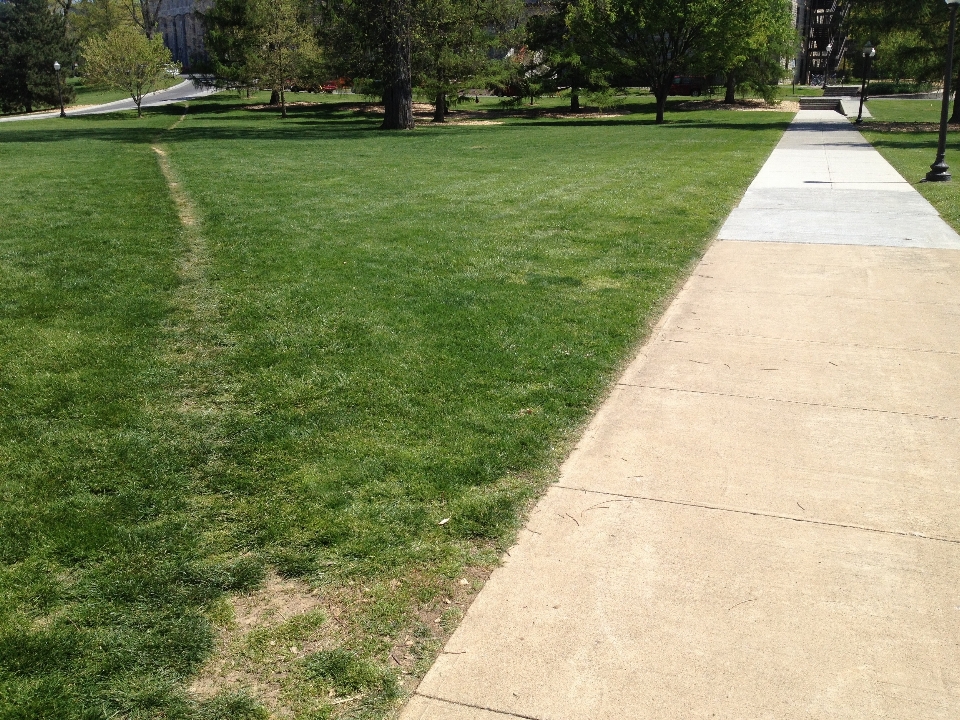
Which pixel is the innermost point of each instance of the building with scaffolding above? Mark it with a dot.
(823, 44)
(181, 24)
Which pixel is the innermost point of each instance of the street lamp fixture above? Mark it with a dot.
(869, 51)
(940, 171)
(826, 66)
(56, 66)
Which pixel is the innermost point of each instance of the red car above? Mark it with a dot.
(694, 86)
(330, 87)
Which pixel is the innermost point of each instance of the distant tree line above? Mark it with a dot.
(442, 49)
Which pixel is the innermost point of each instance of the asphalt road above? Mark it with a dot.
(181, 92)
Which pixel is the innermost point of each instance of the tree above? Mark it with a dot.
(573, 36)
(230, 35)
(749, 45)
(915, 31)
(283, 49)
(146, 15)
(454, 41)
(398, 71)
(659, 39)
(32, 37)
(87, 18)
(128, 60)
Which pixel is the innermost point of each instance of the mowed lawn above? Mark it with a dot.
(906, 134)
(256, 465)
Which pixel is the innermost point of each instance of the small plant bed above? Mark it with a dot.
(742, 104)
(276, 394)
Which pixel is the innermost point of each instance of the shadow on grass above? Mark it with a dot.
(328, 121)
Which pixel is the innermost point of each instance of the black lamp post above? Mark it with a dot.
(56, 66)
(868, 53)
(940, 171)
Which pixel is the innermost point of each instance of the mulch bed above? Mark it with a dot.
(906, 127)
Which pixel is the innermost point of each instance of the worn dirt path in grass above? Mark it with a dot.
(763, 520)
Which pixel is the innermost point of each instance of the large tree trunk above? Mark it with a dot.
(440, 108)
(274, 97)
(661, 94)
(575, 99)
(283, 103)
(398, 85)
(731, 96)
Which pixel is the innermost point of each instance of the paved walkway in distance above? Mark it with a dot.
(181, 92)
(763, 520)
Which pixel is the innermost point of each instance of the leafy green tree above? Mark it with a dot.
(87, 18)
(126, 59)
(229, 37)
(573, 36)
(372, 42)
(749, 45)
(660, 39)
(283, 50)
(453, 44)
(32, 37)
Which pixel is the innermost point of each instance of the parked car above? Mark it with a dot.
(329, 87)
(690, 85)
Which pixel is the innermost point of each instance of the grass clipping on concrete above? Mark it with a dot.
(262, 439)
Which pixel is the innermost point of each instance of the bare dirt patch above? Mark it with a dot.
(262, 635)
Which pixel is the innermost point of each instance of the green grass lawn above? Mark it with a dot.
(906, 134)
(260, 462)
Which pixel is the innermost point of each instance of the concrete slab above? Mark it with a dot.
(612, 608)
(866, 273)
(883, 380)
(822, 152)
(874, 470)
(835, 320)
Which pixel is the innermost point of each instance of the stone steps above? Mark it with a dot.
(821, 103)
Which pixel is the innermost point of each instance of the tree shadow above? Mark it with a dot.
(326, 121)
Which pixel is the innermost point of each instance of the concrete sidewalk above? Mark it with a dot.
(763, 520)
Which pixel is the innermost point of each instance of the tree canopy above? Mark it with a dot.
(33, 35)
(127, 59)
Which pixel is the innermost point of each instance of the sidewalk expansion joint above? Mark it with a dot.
(478, 707)
(791, 402)
(757, 513)
(814, 342)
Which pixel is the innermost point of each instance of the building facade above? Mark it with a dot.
(181, 24)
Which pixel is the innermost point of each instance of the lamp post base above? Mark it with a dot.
(939, 172)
